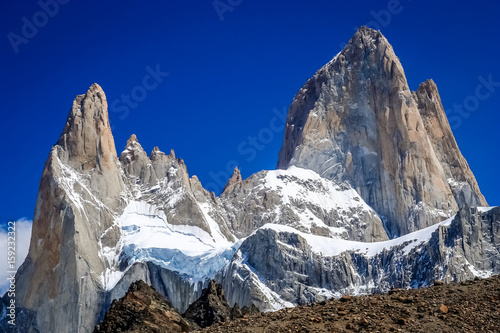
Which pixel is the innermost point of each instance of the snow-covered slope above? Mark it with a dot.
(302, 246)
(333, 247)
(148, 236)
(199, 250)
(298, 268)
(301, 199)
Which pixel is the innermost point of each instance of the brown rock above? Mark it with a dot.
(235, 179)
(363, 322)
(478, 313)
(210, 308)
(142, 309)
(443, 308)
(402, 321)
(394, 290)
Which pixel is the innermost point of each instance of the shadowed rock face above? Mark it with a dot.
(210, 308)
(142, 309)
(357, 120)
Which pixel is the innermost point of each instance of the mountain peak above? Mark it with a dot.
(371, 52)
(133, 151)
(365, 40)
(369, 160)
(235, 179)
(156, 153)
(357, 120)
(95, 89)
(133, 138)
(364, 31)
(87, 139)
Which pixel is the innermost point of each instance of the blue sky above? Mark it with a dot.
(233, 68)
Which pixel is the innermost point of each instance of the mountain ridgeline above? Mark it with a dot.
(371, 192)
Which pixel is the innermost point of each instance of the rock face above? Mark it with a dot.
(163, 180)
(175, 287)
(210, 308)
(357, 120)
(358, 146)
(74, 219)
(301, 199)
(142, 309)
(300, 268)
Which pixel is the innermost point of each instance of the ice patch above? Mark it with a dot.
(485, 209)
(333, 247)
(148, 236)
(479, 273)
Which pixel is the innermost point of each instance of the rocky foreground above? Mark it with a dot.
(472, 306)
(144, 310)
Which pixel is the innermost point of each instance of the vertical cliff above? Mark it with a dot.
(357, 120)
(78, 198)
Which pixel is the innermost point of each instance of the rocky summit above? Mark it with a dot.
(371, 192)
(357, 120)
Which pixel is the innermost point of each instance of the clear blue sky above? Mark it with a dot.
(225, 76)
